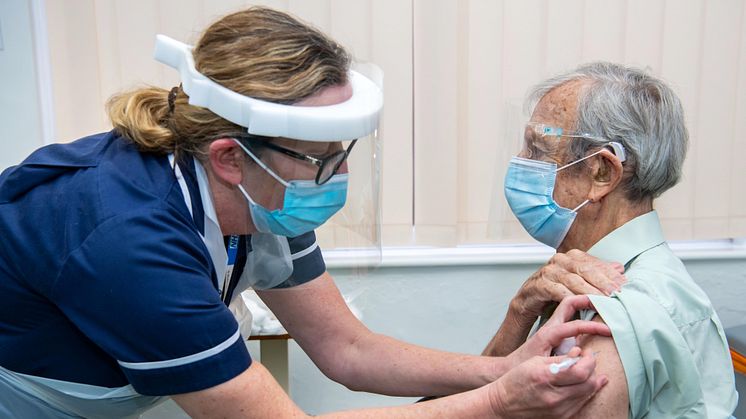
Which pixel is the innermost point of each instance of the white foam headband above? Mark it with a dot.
(354, 118)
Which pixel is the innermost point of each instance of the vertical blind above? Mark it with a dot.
(456, 73)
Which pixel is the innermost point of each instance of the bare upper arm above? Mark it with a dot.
(612, 401)
(319, 320)
(251, 394)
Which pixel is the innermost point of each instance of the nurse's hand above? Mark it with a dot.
(566, 274)
(557, 328)
(531, 390)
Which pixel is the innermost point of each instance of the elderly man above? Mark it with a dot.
(603, 142)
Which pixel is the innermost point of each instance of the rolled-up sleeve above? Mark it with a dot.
(662, 375)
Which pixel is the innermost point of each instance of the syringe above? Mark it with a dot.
(566, 363)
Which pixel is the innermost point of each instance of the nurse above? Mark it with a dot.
(123, 254)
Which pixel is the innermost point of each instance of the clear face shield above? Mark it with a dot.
(348, 128)
(354, 233)
(531, 141)
(540, 140)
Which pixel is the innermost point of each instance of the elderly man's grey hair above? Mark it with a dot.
(631, 107)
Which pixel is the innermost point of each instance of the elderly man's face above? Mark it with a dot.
(558, 109)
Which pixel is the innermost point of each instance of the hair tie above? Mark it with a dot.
(172, 99)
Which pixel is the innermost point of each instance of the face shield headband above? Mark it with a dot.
(354, 118)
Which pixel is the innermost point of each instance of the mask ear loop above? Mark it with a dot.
(618, 151)
(570, 164)
(616, 148)
(246, 194)
(578, 161)
(262, 165)
(581, 205)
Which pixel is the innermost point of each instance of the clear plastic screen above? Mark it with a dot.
(502, 224)
(352, 237)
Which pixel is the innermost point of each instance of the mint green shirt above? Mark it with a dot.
(670, 340)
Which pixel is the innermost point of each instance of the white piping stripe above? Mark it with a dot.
(305, 251)
(182, 183)
(177, 362)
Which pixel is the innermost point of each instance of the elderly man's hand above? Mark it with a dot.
(566, 274)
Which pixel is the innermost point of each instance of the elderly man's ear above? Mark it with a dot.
(606, 175)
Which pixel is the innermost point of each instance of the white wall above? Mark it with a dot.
(455, 309)
(20, 121)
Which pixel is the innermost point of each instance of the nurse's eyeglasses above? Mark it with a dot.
(328, 166)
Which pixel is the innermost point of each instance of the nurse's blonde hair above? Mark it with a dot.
(258, 52)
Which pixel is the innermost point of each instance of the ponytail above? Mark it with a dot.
(257, 52)
(141, 116)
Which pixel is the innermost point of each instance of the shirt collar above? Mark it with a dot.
(200, 198)
(210, 234)
(204, 191)
(185, 173)
(630, 240)
(212, 237)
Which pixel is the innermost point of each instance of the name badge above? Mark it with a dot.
(232, 254)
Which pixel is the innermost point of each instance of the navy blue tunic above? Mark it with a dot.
(104, 277)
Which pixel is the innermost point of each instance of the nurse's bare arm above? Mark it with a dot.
(612, 401)
(317, 317)
(254, 394)
(527, 391)
(345, 350)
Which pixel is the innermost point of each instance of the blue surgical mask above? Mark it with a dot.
(305, 207)
(529, 188)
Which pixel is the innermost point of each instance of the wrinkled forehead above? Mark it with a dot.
(557, 109)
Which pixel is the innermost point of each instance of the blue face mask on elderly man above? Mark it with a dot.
(529, 190)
